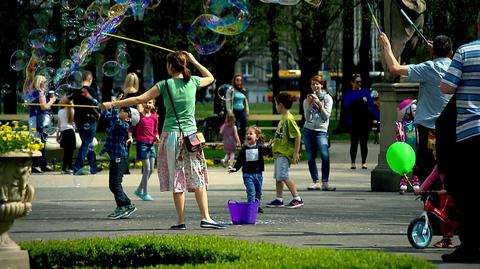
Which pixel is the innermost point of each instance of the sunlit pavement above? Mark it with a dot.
(352, 217)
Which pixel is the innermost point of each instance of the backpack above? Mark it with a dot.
(406, 132)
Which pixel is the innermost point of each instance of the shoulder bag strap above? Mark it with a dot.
(173, 107)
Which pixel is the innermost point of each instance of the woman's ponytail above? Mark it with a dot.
(179, 63)
(186, 74)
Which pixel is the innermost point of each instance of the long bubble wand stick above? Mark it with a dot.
(414, 26)
(138, 41)
(70, 105)
(374, 18)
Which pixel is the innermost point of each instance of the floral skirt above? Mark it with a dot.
(178, 169)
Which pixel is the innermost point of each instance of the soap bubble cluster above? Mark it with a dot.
(223, 17)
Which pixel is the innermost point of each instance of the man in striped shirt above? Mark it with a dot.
(463, 79)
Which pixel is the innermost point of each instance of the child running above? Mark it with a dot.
(230, 140)
(406, 132)
(116, 147)
(146, 133)
(286, 150)
(250, 159)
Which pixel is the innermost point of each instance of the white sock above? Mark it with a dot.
(279, 199)
(297, 198)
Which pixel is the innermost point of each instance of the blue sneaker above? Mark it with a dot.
(128, 210)
(81, 172)
(275, 203)
(95, 170)
(147, 197)
(178, 227)
(138, 193)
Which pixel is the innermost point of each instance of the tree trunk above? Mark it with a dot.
(135, 50)
(8, 44)
(347, 61)
(275, 54)
(365, 47)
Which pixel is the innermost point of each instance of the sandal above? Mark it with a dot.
(353, 166)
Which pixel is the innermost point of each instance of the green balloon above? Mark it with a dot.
(401, 157)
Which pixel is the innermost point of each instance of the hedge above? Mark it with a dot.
(201, 252)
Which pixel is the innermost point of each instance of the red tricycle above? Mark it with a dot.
(436, 212)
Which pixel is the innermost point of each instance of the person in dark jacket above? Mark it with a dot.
(361, 113)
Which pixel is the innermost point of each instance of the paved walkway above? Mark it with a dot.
(353, 217)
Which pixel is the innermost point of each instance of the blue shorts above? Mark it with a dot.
(145, 151)
(281, 168)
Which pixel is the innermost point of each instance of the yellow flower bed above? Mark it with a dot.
(15, 137)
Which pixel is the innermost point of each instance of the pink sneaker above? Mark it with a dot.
(403, 185)
(416, 183)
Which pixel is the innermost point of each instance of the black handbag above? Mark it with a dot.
(193, 142)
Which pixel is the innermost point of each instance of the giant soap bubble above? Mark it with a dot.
(111, 68)
(230, 17)
(203, 39)
(19, 60)
(36, 38)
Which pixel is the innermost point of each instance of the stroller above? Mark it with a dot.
(424, 227)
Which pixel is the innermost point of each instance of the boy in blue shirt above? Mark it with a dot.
(119, 121)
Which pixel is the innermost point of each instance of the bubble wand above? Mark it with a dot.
(138, 41)
(374, 18)
(70, 105)
(414, 26)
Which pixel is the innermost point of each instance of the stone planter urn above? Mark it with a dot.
(16, 197)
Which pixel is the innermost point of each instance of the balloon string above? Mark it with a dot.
(411, 185)
(138, 41)
(69, 105)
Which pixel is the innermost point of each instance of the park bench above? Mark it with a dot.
(257, 118)
(253, 119)
(13, 117)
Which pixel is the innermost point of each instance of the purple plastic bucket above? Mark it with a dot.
(243, 212)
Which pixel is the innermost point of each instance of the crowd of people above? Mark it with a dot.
(182, 166)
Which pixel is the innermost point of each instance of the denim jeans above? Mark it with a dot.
(253, 183)
(115, 178)
(87, 133)
(317, 141)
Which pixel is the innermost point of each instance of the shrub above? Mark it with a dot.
(202, 252)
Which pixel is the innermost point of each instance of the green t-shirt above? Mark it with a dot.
(183, 96)
(284, 141)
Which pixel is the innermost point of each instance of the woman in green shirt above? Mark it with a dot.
(179, 170)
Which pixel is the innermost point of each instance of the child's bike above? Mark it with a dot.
(421, 229)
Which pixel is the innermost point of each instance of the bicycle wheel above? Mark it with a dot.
(415, 233)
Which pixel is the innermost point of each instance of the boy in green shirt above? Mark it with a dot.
(286, 150)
